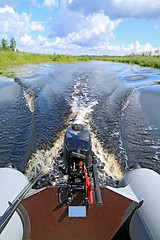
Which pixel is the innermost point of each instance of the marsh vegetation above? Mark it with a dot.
(142, 60)
(10, 59)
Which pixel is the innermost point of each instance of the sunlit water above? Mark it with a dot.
(119, 103)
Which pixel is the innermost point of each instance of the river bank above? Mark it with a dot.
(144, 61)
(10, 59)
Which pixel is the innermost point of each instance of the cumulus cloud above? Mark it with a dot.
(118, 8)
(38, 45)
(136, 48)
(12, 23)
(94, 29)
(27, 40)
(6, 9)
(15, 25)
(41, 39)
(41, 45)
(109, 49)
(78, 27)
(143, 48)
(37, 26)
(82, 30)
(88, 26)
(64, 46)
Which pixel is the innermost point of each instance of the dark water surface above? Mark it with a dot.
(118, 102)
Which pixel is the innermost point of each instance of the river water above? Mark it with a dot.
(118, 102)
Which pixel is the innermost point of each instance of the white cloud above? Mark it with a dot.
(83, 30)
(143, 48)
(94, 29)
(136, 48)
(27, 40)
(13, 24)
(50, 3)
(41, 39)
(17, 25)
(87, 27)
(118, 8)
(79, 27)
(6, 9)
(39, 45)
(37, 26)
(63, 46)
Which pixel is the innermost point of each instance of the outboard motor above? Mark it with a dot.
(77, 154)
(77, 149)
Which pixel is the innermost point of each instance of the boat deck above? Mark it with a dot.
(49, 221)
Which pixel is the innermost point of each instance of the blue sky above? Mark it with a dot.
(114, 27)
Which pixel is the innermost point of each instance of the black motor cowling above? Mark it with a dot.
(77, 154)
(77, 148)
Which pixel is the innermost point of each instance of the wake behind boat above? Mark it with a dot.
(80, 208)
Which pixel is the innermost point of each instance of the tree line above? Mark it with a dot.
(8, 47)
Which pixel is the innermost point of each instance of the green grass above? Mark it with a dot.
(10, 59)
(144, 61)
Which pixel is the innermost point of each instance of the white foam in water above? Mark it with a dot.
(111, 166)
(82, 110)
(81, 113)
(49, 161)
(29, 100)
(81, 104)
